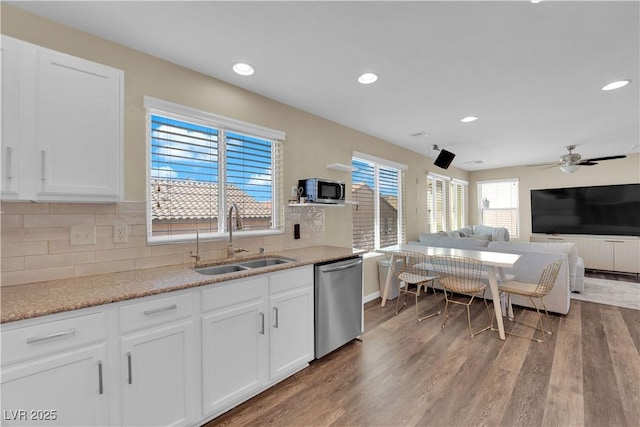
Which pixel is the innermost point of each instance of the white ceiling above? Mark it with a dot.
(532, 73)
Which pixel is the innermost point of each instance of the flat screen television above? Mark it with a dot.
(603, 210)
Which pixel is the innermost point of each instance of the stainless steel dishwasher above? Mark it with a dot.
(338, 303)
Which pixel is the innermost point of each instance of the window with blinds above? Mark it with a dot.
(378, 190)
(199, 166)
(447, 201)
(499, 204)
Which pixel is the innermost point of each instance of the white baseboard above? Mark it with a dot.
(370, 297)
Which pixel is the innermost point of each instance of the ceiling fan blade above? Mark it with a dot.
(550, 166)
(586, 163)
(544, 164)
(599, 159)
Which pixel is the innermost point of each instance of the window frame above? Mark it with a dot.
(166, 109)
(448, 213)
(512, 233)
(378, 163)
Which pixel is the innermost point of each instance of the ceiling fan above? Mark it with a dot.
(569, 163)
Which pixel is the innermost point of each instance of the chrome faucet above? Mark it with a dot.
(197, 254)
(230, 250)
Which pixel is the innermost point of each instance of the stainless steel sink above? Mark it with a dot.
(264, 262)
(239, 265)
(221, 269)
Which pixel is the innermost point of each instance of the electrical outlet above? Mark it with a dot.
(82, 235)
(120, 233)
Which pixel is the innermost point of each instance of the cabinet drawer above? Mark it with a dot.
(156, 311)
(235, 292)
(50, 337)
(291, 279)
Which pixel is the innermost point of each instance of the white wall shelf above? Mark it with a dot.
(340, 167)
(322, 205)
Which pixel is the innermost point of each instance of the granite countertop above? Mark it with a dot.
(30, 300)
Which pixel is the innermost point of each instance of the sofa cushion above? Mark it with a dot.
(486, 237)
(465, 231)
(429, 237)
(452, 242)
(568, 248)
(498, 234)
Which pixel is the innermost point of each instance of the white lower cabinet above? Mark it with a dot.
(179, 358)
(235, 343)
(292, 327)
(55, 373)
(158, 387)
(255, 332)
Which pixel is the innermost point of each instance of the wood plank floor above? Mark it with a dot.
(409, 373)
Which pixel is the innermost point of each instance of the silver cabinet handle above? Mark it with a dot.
(43, 158)
(9, 163)
(342, 267)
(51, 336)
(130, 380)
(275, 317)
(100, 389)
(160, 310)
(262, 323)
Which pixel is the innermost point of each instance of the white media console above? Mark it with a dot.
(611, 253)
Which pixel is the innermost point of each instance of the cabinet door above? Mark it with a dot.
(67, 389)
(235, 351)
(292, 344)
(11, 92)
(78, 128)
(596, 253)
(157, 370)
(627, 256)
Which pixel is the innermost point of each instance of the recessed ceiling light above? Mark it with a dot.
(616, 85)
(367, 78)
(243, 69)
(469, 119)
(535, 1)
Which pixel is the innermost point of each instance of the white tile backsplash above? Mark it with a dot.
(35, 240)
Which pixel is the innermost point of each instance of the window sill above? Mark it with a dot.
(208, 237)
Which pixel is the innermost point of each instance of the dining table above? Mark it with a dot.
(494, 263)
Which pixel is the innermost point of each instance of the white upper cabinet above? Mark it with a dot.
(62, 121)
(11, 91)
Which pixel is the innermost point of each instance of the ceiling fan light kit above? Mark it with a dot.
(569, 168)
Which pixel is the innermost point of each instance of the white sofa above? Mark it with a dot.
(535, 256)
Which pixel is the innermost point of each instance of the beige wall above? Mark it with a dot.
(623, 171)
(311, 144)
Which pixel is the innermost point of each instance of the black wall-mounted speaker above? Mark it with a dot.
(444, 159)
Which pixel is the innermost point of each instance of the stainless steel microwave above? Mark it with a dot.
(317, 190)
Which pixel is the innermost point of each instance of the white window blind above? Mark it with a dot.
(499, 204)
(378, 190)
(459, 200)
(198, 168)
(447, 201)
